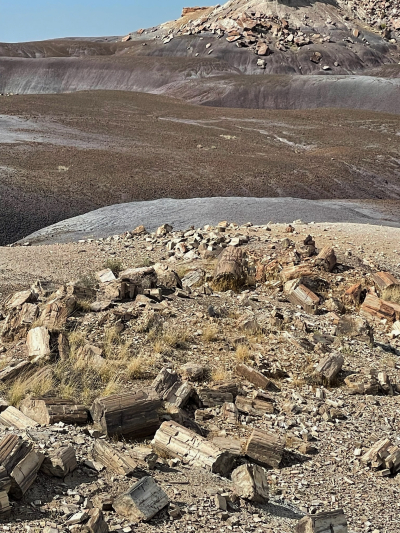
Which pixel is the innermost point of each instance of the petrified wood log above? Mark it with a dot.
(265, 448)
(250, 482)
(326, 522)
(47, 411)
(132, 414)
(326, 258)
(142, 501)
(24, 474)
(13, 417)
(229, 272)
(60, 462)
(295, 272)
(115, 461)
(174, 440)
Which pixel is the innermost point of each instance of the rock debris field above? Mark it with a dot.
(224, 378)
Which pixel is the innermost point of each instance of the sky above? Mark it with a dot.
(36, 20)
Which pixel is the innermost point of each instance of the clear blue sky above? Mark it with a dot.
(34, 20)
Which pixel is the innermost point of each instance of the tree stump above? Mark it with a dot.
(230, 273)
(265, 448)
(326, 258)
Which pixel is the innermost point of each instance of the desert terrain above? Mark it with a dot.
(200, 274)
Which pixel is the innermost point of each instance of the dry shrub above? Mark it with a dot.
(115, 265)
(242, 353)
(210, 334)
(219, 373)
(176, 337)
(112, 341)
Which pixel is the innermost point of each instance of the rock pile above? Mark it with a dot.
(281, 390)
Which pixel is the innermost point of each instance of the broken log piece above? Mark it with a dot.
(12, 450)
(227, 386)
(115, 461)
(352, 295)
(24, 474)
(378, 452)
(265, 448)
(18, 322)
(383, 280)
(378, 308)
(14, 369)
(326, 258)
(193, 371)
(228, 444)
(144, 278)
(55, 314)
(176, 441)
(250, 482)
(18, 299)
(394, 306)
(105, 275)
(80, 292)
(38, 343)
(144, 455)
(230, 412)
(254, 406)
(182, 418)
(366, 383)
(330, 366)
(12, 417)
(48, 411)
(255, 377)
(117, 290)
(5, 480)
(96, 523)
(142, 501)
(5, 507)
(164, 381)
(230, 273)
(325, 522)
(299, 294)
(60, 462)
(213, 398)
(179, 394)
(295, 272)
(134, 413)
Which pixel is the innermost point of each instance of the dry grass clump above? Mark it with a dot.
(242, 353)
(112, 342)
(210, 334)
(83, 306)
(36, 385)
(177, 337)
(392, 294)
(219, 373)
(76, 339)
(115, 265)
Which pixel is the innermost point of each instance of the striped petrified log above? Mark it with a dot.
(330, 366)
(295, 272)
(299, 294)
(38, 343)
(325, 522)
(213, 397)
(230, 273)
(115, 461)
(142, 501)
(230, 412)
(5, 506)
(133, 414)
(12, 450)
(254, 376)
(254, 406)
(60, 462)
(164, 381)
(265, 448)
(352, 295)
(145, 456)
(326, 258)
(52, 410)
(15, 368)
(179, 442)
(24, 474)
(12, 417)
(250, 482)
(56, 312)
(378, 308)
(383, 280)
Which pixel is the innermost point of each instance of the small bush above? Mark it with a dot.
(242, 353)
(88, 280)
(392, 294)
(115, 265)
(210, 334)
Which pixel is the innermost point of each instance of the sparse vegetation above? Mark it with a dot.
(115, 265)
(210, 334)
(242, 353)
(392, 294)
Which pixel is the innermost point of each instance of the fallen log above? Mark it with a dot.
(18, 322)
(145, 456)
(60, 462)
(254, 406)
(213, 397)
(295, 272)
(96, 523)
(24, 474)
(5, 507)
(230, 412)
(164, 381)
(179, 442)
(255, 377)
(47, 411)
(378, 308)
(352, 295)
(265, 448)
(12, 417)
(14, 369)
(326, 258)
(229, 273)
(134, 414)
(142, 501)
(250, 482)
(383, 280)
(330, 366)
(326, 522)
(299, 294)
(115, 461)
(12, 450)
(38, 343)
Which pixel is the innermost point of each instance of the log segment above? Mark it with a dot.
(142, 501)
(47, 411)
(265, 448)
